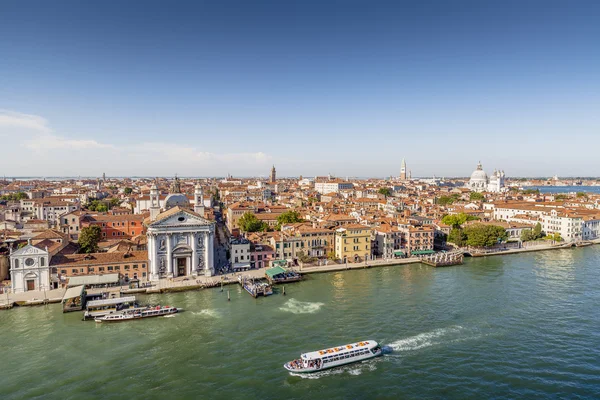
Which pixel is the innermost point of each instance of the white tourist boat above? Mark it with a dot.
(334, 357)
(138, 313)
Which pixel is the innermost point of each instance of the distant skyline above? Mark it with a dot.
(348, 88)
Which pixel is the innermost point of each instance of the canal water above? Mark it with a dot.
(518, 326)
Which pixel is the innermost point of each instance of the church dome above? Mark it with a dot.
(479, 174)
(176, 199)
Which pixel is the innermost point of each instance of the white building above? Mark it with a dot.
(331, 185)
(568, 226)
(480, 182)
(30, 269)
(180, 241)
(240, 254)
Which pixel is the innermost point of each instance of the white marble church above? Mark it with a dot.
(30, 269)
(180, 241)
(480, 182)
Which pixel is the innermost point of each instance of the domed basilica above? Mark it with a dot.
(480, 182)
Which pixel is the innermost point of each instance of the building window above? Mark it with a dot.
(127, 267)
(110, 268)
(42, 262)
(101, 269)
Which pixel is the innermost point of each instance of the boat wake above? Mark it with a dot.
(207, 313)
(301, 307)
(169, 316)
(452, 334)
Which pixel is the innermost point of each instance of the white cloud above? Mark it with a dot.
(12, 119)
(60, 155)
(52, 142)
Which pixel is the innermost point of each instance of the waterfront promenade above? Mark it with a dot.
(197, 283)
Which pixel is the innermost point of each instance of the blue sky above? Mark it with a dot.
(343, 87)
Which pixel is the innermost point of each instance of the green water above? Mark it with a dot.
(519, 326)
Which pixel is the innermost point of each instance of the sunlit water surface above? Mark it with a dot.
(519, 326)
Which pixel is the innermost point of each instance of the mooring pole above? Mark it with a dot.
(228, 296)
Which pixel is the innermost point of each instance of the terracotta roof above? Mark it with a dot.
(69, 260)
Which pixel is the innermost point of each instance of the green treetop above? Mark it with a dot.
(89, 238)
(456, 220)
(386, 191)
(289, 217)
(249, 223)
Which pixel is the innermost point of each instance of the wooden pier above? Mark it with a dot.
(444, 259)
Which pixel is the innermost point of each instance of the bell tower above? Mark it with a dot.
(154, 202)
(199, 200)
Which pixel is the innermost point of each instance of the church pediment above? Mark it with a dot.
(181, 218)
(28, 250)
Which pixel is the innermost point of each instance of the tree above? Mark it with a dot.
(89, 238)
(479, 235)
(532, 234)
(457, 237)
(581, 194)
(386, 191)
(114, 202)
(331, 256)
(14, 196)
(456, 220)
(537, 231)
(561, 197)
(527, 235)
(289, 217)
(476, 196)
(101, 207)
(531, 191)
(128, 191)
(249, 223)
(447, 200)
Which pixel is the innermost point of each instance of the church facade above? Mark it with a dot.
(30, 269)
(180, 240)
(479, 181)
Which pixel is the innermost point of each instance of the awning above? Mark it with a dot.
(73, 292)
(237, 266)
(279, 263)
(271, 272)
(93, 279)
(421, 252)
(111, 302)
(399, 253)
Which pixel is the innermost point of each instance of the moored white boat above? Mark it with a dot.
(139, 313)
(334, 357)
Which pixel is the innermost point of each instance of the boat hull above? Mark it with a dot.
(333, 365)
(136, 317)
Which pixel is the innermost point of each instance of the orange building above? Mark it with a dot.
(131, 264)
(123, 226)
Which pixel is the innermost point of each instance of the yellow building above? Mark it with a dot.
(353, 243)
